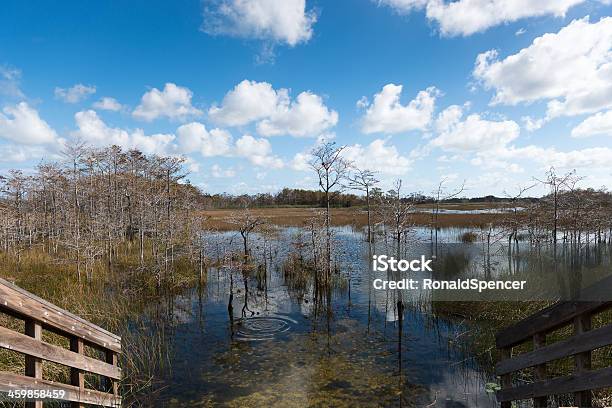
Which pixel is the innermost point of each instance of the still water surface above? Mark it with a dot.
(274, 350)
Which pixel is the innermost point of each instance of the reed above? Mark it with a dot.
(118, 298)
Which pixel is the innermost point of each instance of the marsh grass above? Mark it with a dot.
(298, 272)
(117, 298)
(468, 237)
(494, 316)
(300, 217)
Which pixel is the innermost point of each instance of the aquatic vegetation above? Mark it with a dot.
(468, 237)
(341, 370)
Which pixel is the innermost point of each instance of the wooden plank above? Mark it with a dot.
(506, 380)
(590, 340)
(546, 320)
(12, 382)
(25, 304)
(113, 359)
(539, 371)
(33, 365)
(51, 305)
(594, 298)
(582, 361)
(40, 350)
(77, 377)
(590, 380)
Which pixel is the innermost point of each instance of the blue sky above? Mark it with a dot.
(492, 92)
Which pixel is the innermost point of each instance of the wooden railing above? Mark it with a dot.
(39, 315)
(535, 328)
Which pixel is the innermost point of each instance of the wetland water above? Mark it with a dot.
(272, 348)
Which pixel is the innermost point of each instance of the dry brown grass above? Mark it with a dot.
(120, 310)
(291, 216)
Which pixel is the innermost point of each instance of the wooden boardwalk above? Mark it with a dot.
(39, 315)
(579, 346)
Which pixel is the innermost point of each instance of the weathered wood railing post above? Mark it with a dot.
(77, 377)
(582, 361)
(506, 379)
(112, 386)
(539, 371)
(33, 365)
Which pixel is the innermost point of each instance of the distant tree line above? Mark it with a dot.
(295, 197)
(287, 197)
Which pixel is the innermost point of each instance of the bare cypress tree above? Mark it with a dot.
(246, 222)
(74, 152)
(93, 204)
(557, 184)
(396, 214)
(513, 219)
(440, 195)
(331, 169)
(364, 180)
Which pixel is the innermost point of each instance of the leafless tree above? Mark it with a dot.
(395, 210)
(557, 184)
(245, 222)
(364, 180)
(440, 195)
(331, 169)
(95, 204)
(552, 206)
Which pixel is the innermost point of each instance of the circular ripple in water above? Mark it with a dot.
(262, 327)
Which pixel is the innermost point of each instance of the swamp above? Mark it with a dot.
(249, 307)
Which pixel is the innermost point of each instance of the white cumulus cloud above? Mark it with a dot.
(93, 130)
(306, 116)
(285, 21)
(74, 94)
(274, 111)
(386, 114)
(107, 103)
(13, 153)
(301, 161)
(598, 124)
(173, 102)
(532, 124)
(22, 124)
(466, 17)
(587, 159)
(247, 102)
(158, 143)
(378, 156)
(257, 151)
(194, 137)
(571, 69)
(490, 145)
(474, 134)
(219, 172)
